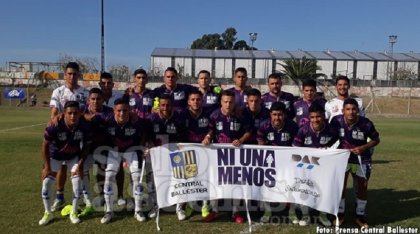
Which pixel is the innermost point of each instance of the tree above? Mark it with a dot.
(87, 64)
(229, 38)
(299, 69)
(226, 41)
(241, 45)
(208, 41)
(120, 72)
(404, 73)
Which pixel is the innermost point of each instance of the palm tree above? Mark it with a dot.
(300, 69)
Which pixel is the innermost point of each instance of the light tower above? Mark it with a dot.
(252, 38)
(392, 41)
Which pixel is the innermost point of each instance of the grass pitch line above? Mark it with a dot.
(17, 128)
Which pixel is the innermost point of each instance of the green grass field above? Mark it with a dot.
(394, 195)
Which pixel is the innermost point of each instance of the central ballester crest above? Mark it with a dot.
(184, 164)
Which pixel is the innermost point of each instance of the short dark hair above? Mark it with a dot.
(203, 71)
(96, 90)
(172, 69)
(124, 100)
(277, 75)
(195, 91)
(316, 107)
(253, 92)
(165, 96)
(351, 101)
(73, 65)
(341, 77)
(278, 106)
(241, 69)
(71, 104)
(140, 71)
(228, 93)
(309, 82)
(106, 75)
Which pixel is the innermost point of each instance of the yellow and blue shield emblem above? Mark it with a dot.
(184, 164)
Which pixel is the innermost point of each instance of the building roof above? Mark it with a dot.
(286, 54)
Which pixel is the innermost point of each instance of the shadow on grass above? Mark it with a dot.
(384, 161)
(390, 205)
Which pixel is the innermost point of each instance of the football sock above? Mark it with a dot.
(342, 206)
(87, 192)
(75, 181)
(361, 206)
(46, 192)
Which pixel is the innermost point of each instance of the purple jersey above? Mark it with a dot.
(211, 99)
(65, 143)
(240, 97)
(127, 136)
(99, 131)
(307, 137)
(228, 128)
(277, 137)
(355, 135)
(179, 95)
(302, 110)
(168, 130)
(142, 103)
(255, 120)
(285, 97)
(196, 127)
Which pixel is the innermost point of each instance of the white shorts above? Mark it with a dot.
(361, 171)
(72, 164)
(114, 161)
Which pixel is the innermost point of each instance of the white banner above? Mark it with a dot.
(307, 176)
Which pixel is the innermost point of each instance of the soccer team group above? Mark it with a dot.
(108, 128)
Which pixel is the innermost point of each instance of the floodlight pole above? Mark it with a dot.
(392, 41)
(102, 38)
(252, 38)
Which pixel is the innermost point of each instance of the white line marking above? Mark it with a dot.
(17, 128)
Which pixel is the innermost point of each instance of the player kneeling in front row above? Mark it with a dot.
(126, 138)
(354, 130)
(62, 145)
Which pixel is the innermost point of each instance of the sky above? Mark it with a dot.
(41, 30)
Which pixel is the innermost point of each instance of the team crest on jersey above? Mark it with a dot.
(130, 131)
(357, 135)
(78, 135)
(270, 136)
(335, 109)
(268, 105)
(203, 122)
(179, 95)
(285, 136)
(184, 164)
(235, 126)
(147, 101)
(132, 102)
(341, 132)
(219, 126)
(171, 129)
(308, 141)
(324, 140)
(111, 131)
(211, 99)
(287, 104)
(62, 136)
(299, 111)
(156, 128)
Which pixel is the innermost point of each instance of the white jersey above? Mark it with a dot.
(115, 95)
(62, 94)
(334, 107)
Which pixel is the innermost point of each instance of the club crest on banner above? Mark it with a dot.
(184, 164)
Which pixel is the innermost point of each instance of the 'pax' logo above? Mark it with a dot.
(310, 161)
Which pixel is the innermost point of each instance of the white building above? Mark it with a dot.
(261, 63)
